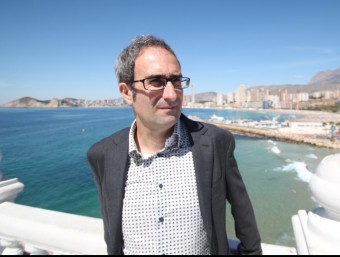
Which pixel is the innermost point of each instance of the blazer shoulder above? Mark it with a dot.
(221, 136)
(203, 127)
(101, 147)
(216, 130)
(207, 128)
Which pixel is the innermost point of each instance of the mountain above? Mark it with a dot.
(326, 77)
(323, 81)
(205, 97)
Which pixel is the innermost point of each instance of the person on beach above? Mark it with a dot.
(163, 182)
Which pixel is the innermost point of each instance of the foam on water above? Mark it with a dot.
(285, 239)
(299, 167)
(276, 150)
(312, 156)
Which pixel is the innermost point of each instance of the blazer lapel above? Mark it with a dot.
(202, 150)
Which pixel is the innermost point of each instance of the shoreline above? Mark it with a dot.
(297, 138)
(279, 136)
(305, 115)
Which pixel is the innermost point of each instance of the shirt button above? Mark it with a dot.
(160, 186)
(161, 219)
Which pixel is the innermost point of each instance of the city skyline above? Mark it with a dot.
(58, 49)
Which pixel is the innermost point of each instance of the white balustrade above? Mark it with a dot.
(318, 231)
(41, 231)
(36, 231)
(9, 189)
(11, 247)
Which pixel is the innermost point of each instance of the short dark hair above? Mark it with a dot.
(125, 63)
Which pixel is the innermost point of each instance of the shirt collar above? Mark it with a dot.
(178, 139)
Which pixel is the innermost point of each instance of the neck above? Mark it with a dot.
(150, 141)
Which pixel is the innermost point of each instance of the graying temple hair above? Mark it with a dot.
(125, 63)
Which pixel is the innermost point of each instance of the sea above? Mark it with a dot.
(46, 150)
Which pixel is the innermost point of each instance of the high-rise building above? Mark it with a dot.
(240, 94)
(219, 99)
(193, 94)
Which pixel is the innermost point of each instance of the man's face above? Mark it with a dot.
(157, 110)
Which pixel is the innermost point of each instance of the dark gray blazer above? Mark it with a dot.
(218, 179)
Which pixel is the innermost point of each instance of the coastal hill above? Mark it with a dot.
(35, 103)
(326, 77)
(322, 81)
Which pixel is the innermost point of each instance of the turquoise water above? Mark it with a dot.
(46, 150)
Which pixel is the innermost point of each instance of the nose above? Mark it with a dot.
(169, 92)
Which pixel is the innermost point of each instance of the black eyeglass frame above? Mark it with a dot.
(172, 79)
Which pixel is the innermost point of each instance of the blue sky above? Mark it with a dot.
(59, 48)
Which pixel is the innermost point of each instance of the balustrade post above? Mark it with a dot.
(9, 189)
(318, 231)
(33, 250)
(11, 247)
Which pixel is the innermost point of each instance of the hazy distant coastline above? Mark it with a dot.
(29, 102)
(323, 81)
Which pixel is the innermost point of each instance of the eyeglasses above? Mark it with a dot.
(159, 83)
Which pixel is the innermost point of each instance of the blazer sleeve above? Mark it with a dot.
(93, 158)
(241, 207)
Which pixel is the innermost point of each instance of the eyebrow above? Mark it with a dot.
(163, 76)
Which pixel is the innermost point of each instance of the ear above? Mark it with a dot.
(126, 92)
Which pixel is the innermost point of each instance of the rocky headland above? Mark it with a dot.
(29, 102)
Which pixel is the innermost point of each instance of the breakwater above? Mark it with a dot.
(280, 136)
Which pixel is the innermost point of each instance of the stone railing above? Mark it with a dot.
(318, 231)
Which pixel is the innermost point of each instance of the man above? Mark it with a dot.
(163, 183)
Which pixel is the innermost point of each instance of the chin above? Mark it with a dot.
(169, 119)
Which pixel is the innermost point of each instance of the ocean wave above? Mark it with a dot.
(273, 149)
(285, 239)
(276, 150)
(299, 167)
(312, 156)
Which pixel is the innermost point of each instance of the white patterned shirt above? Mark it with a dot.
(161, 213)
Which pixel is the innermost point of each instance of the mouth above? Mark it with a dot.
(168, 107)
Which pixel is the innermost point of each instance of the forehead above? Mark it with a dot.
(156, 58)
(154, 49)
(152, 52)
